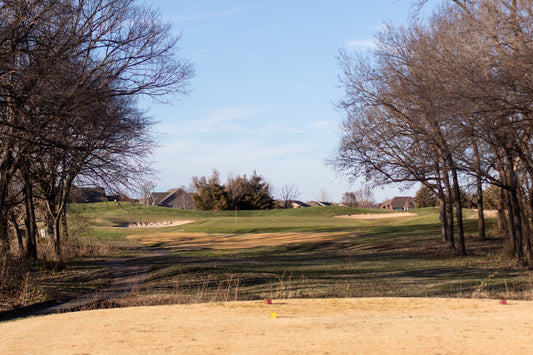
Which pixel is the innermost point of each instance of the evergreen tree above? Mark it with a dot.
(258, 194)
(425, 197)
(210, 195)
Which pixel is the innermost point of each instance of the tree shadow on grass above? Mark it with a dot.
(389, 260)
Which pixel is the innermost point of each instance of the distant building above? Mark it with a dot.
(398, 204)
(291, 204)
(93, 194)
(318, 204)
(87, 194)
(174, 198)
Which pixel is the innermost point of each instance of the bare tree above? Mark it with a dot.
(349, 199)
(324, 195)
(67, 88)
(364, 197)
(447, 102)
(288, 194)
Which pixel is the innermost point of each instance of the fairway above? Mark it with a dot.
(335, 326)
(357, 284)
(198, 241)
(316, 252)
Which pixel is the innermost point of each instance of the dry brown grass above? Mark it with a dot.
(192, 241)
(23, 282)
(334, 326)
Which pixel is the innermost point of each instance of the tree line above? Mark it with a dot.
(70, 76)
(447, 102)
(240, 192)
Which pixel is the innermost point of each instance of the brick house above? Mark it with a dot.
(405, 203)
(174, 198)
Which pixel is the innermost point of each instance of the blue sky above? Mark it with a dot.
(264, 91)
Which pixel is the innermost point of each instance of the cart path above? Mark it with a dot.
(125, 279)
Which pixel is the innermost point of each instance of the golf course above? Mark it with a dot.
(319, 280)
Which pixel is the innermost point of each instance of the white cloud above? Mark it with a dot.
(221, 115)
(361, 44)
(281, 163)
(215, 120)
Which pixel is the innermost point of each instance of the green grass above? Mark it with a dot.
(382, 257)
(116, 213)
(109, 215)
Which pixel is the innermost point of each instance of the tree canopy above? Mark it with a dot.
(240, 192)
(70, 75)
(447, 103)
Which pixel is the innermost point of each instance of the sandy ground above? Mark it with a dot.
(157, 224)
(331, 326)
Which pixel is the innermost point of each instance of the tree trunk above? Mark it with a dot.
(57, 238)
(31, 229)
(7, 169)
(459, 212)
(449, 210)
(442, 210)
(443, 220)
(480, 210)
(29, 218)
(18, 233)
(515, 224)
(526, 227)
(64, 225)
(502, 221)
(4, 226)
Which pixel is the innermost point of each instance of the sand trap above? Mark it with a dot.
(379, 215)
(335, 326)
(157, 224)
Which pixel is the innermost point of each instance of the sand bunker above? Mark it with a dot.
(157, 224)
(335, 326)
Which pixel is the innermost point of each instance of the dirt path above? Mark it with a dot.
(125, 279)
(325, 326)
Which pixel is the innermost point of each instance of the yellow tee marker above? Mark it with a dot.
(273, 315)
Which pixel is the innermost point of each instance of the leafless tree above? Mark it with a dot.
(68, 79)
(324, 195)
(364, 197)
(288, 194)
(446, 102)
(349, 199)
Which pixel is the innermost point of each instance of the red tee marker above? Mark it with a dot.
(504, 302)
(268, 301)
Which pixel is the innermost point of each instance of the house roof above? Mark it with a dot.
(88, 194)
(159, 198)
(173, 192)
(318, 203)
(293, 203)
(399, 202)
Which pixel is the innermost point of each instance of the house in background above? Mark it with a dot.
(174, 198)
(318, 204)
(292, 204)
(87, 194)
(93, 194)
(398, 204)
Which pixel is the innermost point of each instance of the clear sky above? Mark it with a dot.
(264, 92)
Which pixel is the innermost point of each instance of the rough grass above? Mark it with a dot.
(306, 253)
